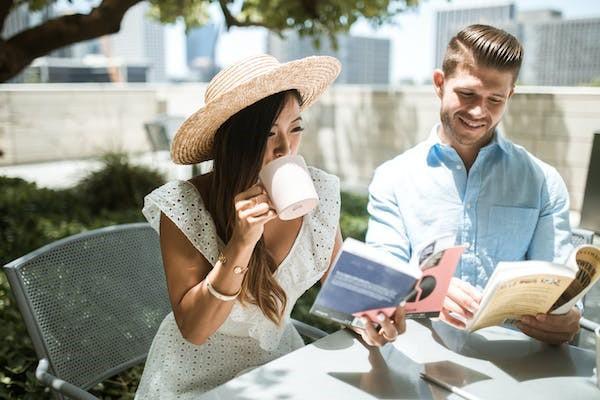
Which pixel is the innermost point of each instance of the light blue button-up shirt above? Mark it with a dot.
(508, 206)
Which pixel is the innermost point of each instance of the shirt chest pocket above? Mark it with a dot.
(511, 230)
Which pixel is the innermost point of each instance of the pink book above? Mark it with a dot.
(437, 261)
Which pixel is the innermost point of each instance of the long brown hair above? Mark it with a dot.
(238, 149)
(486, 46)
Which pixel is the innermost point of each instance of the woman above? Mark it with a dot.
(234, 270)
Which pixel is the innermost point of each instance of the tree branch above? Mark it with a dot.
(310, 7)
(20, 50)
(5, 8)
(230, 20)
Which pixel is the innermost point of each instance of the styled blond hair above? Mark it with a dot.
(486, 46)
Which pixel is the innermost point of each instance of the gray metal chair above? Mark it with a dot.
(92, 304)
(157, 135)
(581, 236)
(160, 131)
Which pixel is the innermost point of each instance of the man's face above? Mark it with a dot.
(473, 102)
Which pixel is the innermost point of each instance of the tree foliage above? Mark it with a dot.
(315, 18)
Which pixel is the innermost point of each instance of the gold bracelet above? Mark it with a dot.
(236, 270)
(221, 258)
(239, 270)
(219, 295)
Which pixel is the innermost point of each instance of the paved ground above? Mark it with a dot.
(61, 174)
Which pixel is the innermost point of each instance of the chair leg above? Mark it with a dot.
(60, 386)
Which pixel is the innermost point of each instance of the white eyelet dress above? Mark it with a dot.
(178, 369)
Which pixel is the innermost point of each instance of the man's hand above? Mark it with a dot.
(551, 329)
(462, 300)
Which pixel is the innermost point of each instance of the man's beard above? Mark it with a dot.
(464, 140)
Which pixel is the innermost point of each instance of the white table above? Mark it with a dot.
(493, 363)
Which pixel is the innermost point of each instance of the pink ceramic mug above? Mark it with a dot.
(290, 186)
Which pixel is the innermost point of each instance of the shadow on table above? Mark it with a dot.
(398, 376)
(336, 342)
(248, 389)
(395, 375)
(521, 359)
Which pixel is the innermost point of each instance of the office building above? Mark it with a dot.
(366, 60)
(561, 52)
(88, 69)
(451, 19)
(558, 51)
(16, 21)
(61, 65)
(140, 41)
(201, 44)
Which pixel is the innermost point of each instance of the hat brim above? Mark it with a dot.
(310, 76)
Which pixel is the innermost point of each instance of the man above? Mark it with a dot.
(468, 179)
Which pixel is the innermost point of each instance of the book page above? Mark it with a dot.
(587, 260)
(518, 296)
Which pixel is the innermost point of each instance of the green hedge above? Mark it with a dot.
(31, 217)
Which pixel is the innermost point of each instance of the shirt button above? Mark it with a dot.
(458, 167)
(468, 206)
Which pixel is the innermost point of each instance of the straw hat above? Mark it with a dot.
(242, 85)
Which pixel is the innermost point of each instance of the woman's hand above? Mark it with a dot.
(389, 328)
(253, 209)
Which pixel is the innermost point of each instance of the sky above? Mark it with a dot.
(412, 36)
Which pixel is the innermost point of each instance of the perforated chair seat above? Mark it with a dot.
(92, 302)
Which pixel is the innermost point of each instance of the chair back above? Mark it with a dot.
(156, 132)
(581, 236)
(92, 302)
(161, 130)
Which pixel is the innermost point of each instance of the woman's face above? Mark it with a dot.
(285, 136)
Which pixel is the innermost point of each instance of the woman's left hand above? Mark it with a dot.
(389, 328)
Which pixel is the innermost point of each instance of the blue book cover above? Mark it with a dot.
(363, 278)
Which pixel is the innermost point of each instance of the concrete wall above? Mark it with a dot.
(349, 132)
(354, 129)
(558, 127)
(55, 122)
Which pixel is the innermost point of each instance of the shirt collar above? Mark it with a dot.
(501, 140)
(497, 141)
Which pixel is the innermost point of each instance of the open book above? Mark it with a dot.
(523, 288)
(365, 281)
